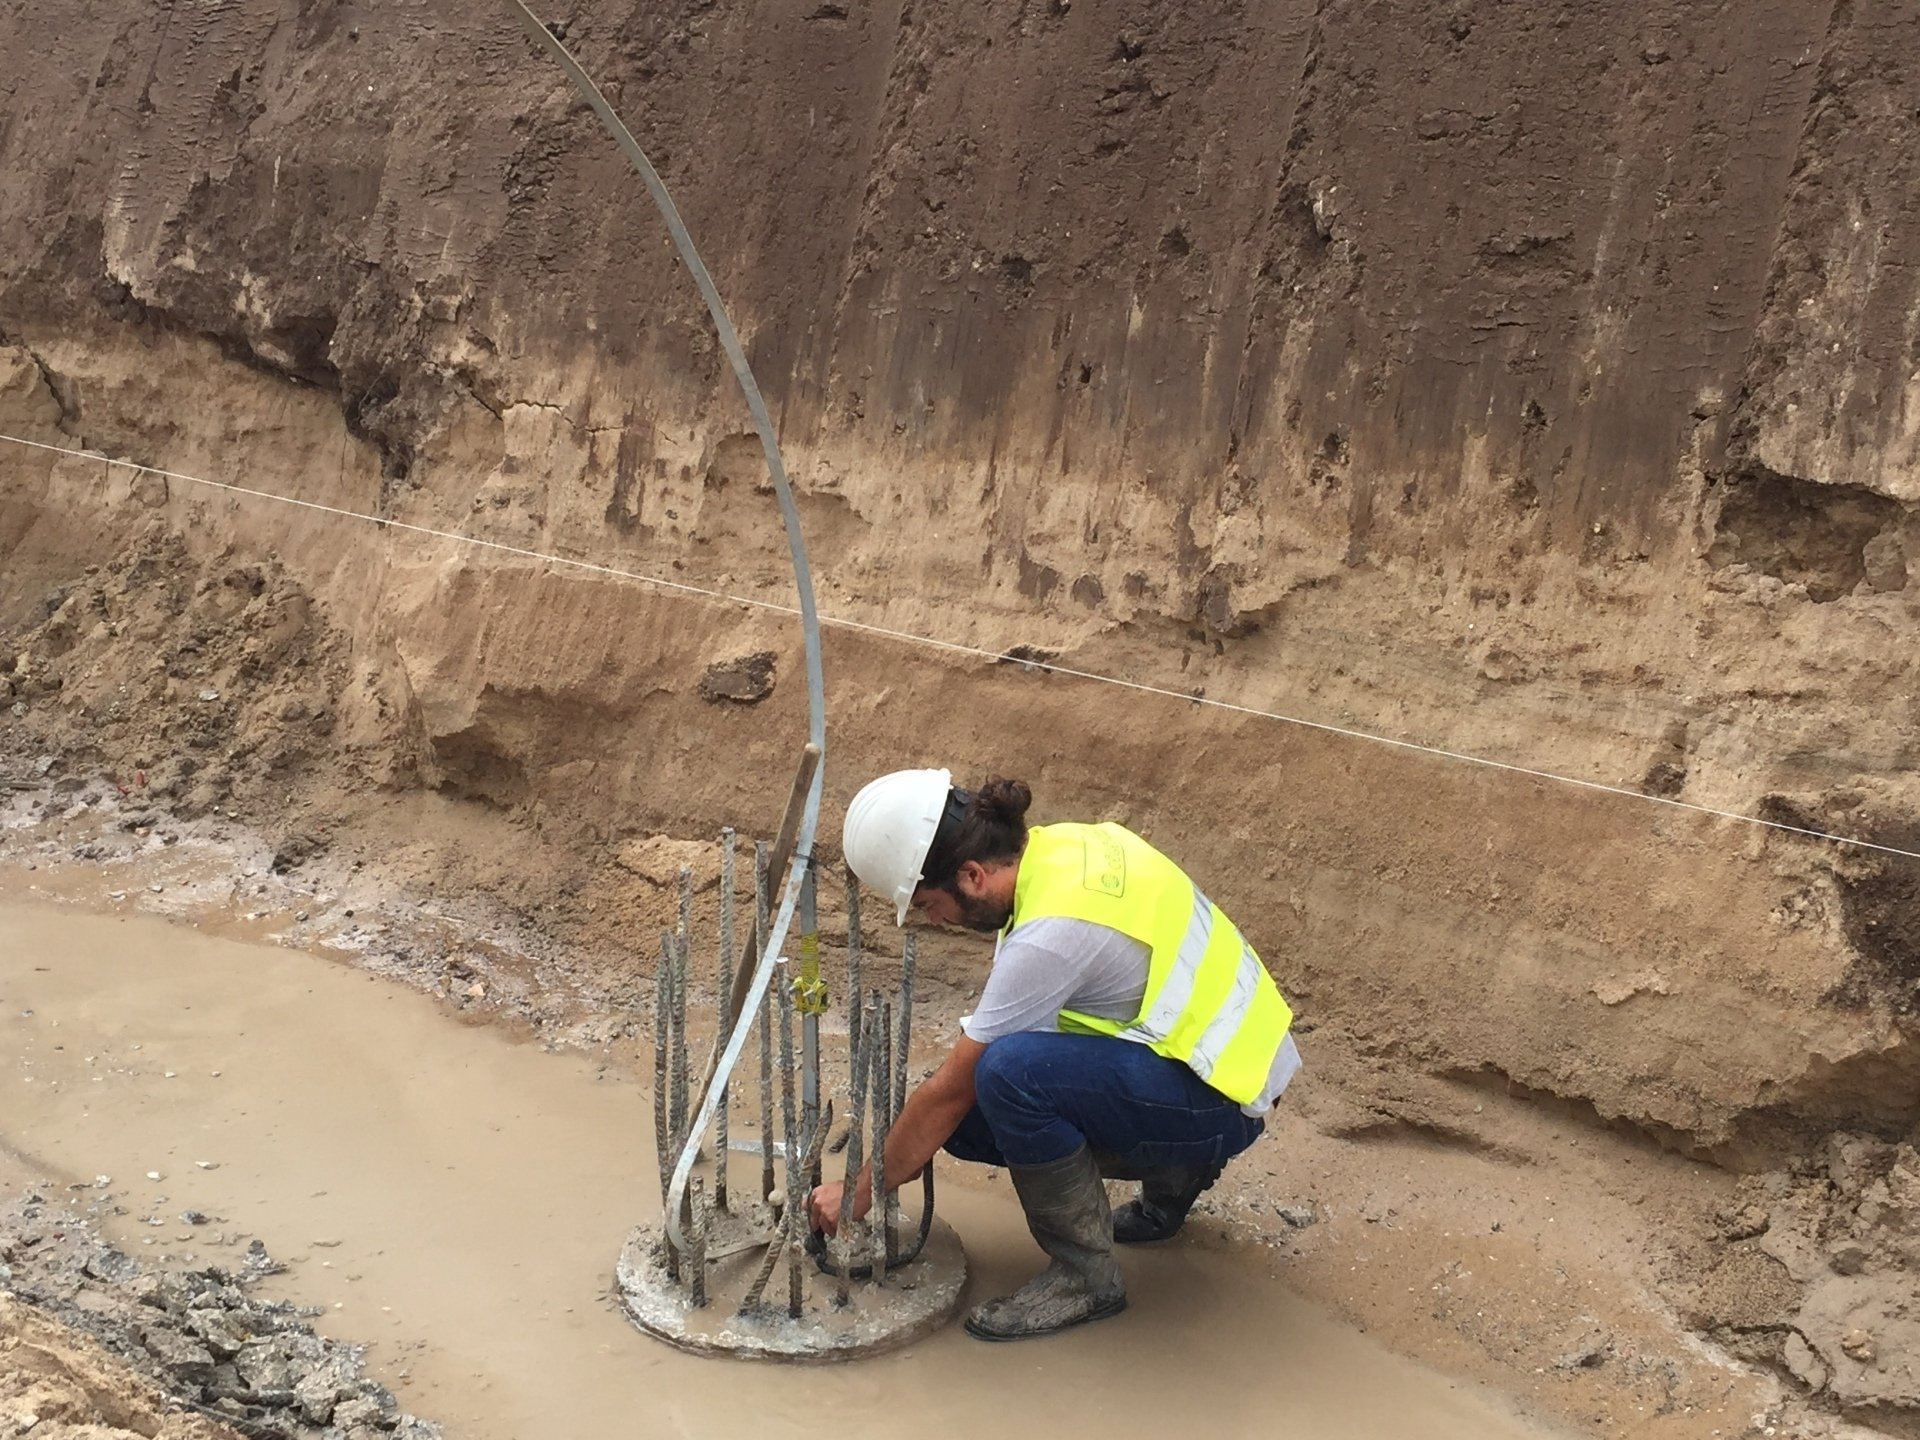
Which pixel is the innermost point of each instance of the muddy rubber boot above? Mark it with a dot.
(1067, 1212)
(1166, 1195)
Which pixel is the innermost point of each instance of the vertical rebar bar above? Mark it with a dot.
(766, 1025)
(790, 1238)
(662, 1115)
(789, 1131)
(857, 1106)
(796, 1218)
(903, 1050)
(662, 1010)
(879, 1063)
(810, 996)
(908, 954)
(683, 937)
(697, 1241)
(854, 998)
(723, 992)
(677, 1040)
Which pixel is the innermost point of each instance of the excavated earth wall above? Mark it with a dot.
(1538, 381)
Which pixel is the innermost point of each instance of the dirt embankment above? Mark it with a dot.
(1478, 379)
(1533, 384)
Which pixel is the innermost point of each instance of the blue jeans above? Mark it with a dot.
(1039, 1095)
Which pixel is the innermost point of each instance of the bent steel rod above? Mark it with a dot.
(767, 945)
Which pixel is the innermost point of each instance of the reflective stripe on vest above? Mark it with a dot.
(1209, 1002)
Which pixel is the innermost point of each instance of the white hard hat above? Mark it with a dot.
(889, 828)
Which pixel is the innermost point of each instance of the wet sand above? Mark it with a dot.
(457, 1197)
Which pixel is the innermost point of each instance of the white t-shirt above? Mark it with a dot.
(1057, 963)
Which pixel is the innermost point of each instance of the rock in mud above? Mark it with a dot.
(1590, 1350)
(295, 849)
(199, 1333)
(746, 680)
(221, 1331)
(1803, 1364)
(265, 1368)
(325, 1386)
(112, 1266)
(361, 1412)
(1746, 1223)
(181, 1357)
(1848, 1257)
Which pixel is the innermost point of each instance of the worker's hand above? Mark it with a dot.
(823, 1206)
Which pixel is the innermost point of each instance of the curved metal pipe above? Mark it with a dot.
(802, 578)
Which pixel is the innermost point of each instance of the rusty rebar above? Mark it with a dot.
(790, 1132)
(723, 991)
(786, 1236)
(662, 1120)
(882, 1071)
(857, 1112)
(779, 859)
(689, 1113)
(766, 1026)
(677, 1061)
(662, 1011)
(908, 953)
(854, 998)
(697, 1260)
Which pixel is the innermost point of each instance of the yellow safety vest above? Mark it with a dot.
(1209, 1003)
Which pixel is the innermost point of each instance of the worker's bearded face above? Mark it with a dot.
(982, 913)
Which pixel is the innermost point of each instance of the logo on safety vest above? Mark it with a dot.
(1106, 867)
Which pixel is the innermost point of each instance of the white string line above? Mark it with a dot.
(959, 648)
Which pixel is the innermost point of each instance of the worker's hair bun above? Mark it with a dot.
(987, 825)
(1003, 800)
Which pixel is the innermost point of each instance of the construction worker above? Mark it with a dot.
(1126, 1030)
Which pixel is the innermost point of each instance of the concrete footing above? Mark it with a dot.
(914, 1300)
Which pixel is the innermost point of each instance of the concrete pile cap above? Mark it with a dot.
(916, 1299)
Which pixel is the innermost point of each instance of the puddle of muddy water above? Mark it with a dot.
(457, 1198)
